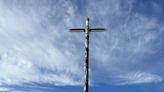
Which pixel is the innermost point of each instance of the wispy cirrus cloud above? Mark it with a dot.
(30, 44)
(132, 39)
(4, 89)
(35, 45)
(137, 78)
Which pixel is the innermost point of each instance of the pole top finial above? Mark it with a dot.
(87, 18)
(87, 22)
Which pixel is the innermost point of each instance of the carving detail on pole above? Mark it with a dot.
(87, 30)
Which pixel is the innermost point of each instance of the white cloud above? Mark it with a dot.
(138, 78)
(4, 89)
(35, 45)
(31, 46)
(127, 44)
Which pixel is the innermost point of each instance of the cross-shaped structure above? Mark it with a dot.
(87, 30)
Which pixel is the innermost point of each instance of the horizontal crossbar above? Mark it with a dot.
(90, 30)
(77, 30)
(97, 29)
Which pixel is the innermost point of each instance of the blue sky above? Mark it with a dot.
(39, 54)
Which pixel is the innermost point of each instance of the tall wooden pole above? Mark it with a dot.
(87, 30)
(86, 57)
